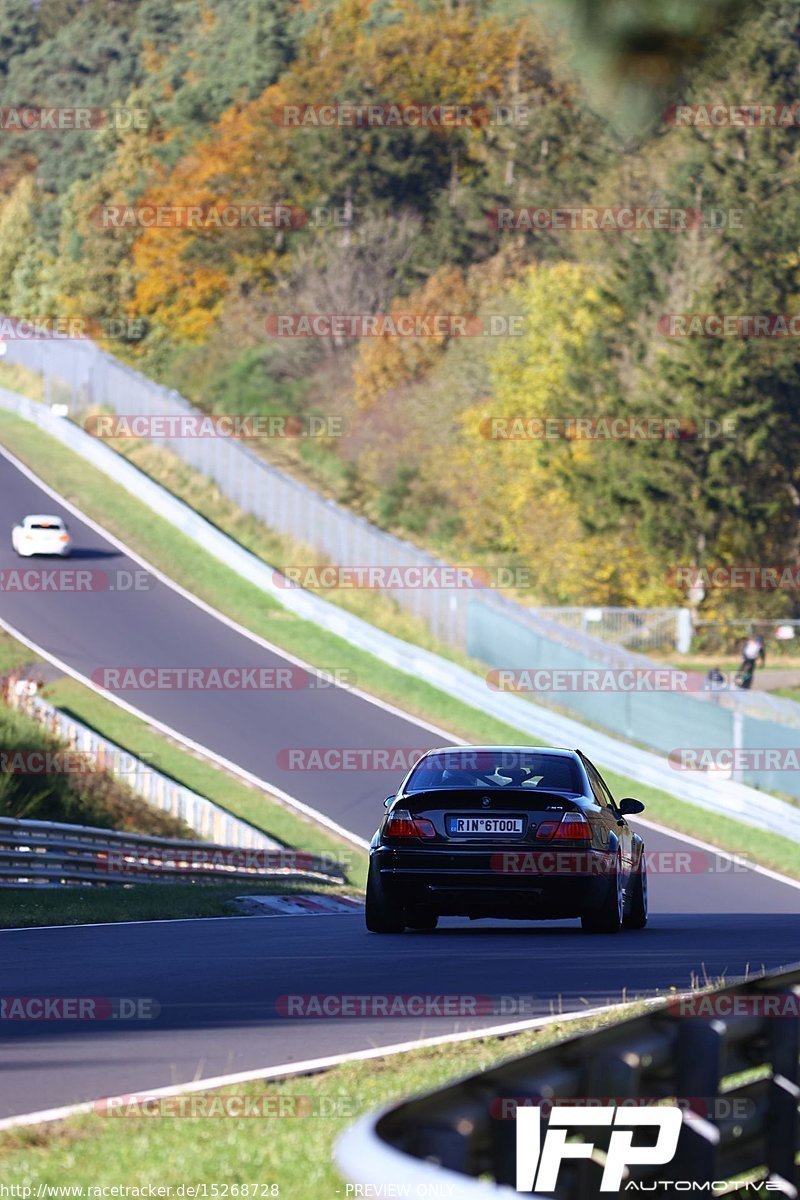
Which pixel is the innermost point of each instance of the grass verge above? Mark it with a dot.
(186, 563)
(13, 654)
(294, 1152)
(186, 768)
(87, 797)
(20, 379)
(25, 907)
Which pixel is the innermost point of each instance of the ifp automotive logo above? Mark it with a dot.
(539, 1159)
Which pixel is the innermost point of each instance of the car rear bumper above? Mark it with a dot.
(505, 881)
(48, 549)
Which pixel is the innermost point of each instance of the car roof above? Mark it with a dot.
(31, 517)
(555, 751)
(560, 752)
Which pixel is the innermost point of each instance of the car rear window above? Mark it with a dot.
(527, 769)
(46, 525)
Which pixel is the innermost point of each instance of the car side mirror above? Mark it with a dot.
(388, 801)
(628, 807)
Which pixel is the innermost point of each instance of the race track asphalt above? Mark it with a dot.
(217, 982)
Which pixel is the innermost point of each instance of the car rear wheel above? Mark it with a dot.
(609, 916)
(379, 914)
(637, 913)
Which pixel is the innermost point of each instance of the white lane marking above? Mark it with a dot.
(116, 924)
(207, 608)
(314, 1065)
(306, 809)
(203, 751)
(726, 854)
(255, 781)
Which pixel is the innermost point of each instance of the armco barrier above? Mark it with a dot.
(33, 853)
(199, 813)
(736, 1079)
(722, 796)
(490, 628)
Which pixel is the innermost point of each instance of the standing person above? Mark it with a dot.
(752, 652)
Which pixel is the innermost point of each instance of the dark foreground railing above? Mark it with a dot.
(728, 1057)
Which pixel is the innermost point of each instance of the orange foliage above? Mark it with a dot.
(389, 362)
(250, 157)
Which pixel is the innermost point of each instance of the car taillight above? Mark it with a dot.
(573, 827)
(64, 537)
(400, 824)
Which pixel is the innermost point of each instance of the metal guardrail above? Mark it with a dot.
(723, 796)
(747, 1066)
(49, 852)
(643, 629)
(198, 812)
(482, 622)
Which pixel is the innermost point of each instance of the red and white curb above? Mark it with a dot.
(299, 906)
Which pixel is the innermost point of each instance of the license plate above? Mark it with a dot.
(491, 826)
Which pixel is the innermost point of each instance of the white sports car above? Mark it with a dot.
(39, 534)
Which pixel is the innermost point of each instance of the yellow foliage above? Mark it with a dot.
(16, 231)
(444, 55)
(511, 494)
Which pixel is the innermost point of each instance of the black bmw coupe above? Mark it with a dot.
(510, 832)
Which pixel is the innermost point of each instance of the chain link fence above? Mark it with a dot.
(642, 629)
(484, 624)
